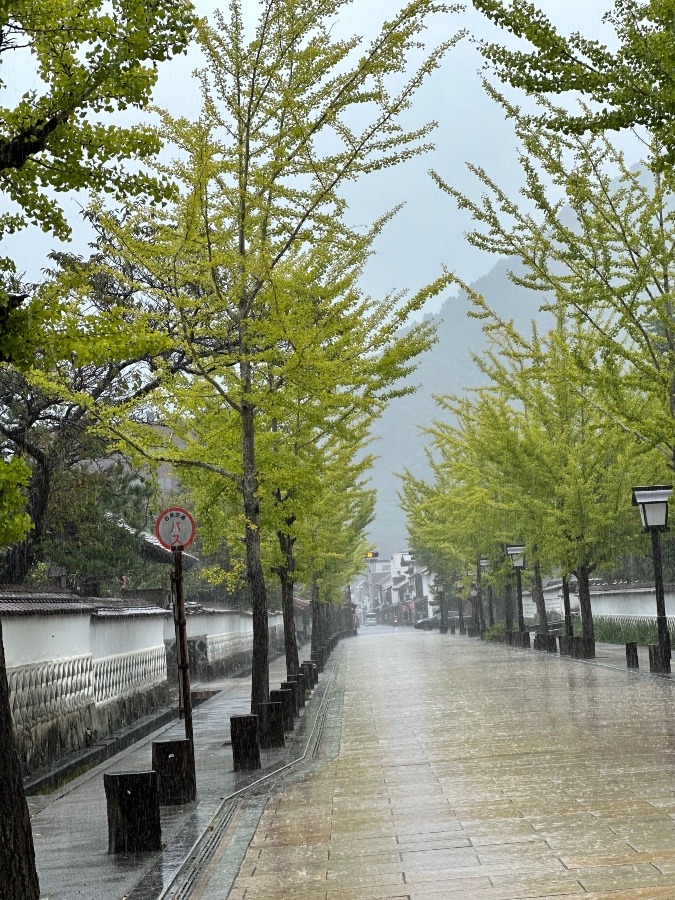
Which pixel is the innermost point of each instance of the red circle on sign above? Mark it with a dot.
(175, 527)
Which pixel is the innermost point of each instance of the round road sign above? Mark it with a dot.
(174, 528)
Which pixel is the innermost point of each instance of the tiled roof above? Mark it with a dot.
(19, 602)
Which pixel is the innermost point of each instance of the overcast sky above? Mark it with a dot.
(429, 232)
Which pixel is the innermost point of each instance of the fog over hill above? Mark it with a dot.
(445, 369)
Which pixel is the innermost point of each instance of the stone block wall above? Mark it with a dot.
(65, 705)
(128, 686)
(52, 705)
(216, 653)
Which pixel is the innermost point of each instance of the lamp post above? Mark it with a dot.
(517, 554)
(439, 586)
(652, 502)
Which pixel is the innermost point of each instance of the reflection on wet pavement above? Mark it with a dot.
(467, 770)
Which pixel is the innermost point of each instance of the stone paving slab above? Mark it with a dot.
(467, 770)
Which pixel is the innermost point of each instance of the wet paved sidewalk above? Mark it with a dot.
(70, 824)
(457, 769)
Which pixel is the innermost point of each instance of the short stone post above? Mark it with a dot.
(174, 764)
(271, 724)
(133, 812)
(287, 700)
(244, 731)
(552, 644)
(317, 658)
(632, 661)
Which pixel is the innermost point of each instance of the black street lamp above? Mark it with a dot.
(517, 554)
(652, 502)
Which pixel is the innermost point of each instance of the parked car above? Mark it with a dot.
(428, 624)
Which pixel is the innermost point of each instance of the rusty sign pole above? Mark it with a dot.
(183, 658)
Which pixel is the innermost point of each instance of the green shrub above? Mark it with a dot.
(496, 633)
(610, 631)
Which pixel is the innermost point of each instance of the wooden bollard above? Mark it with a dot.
(174, 763)
(632, 661)
(271, 724)
(302, 684)
(293, 685)
(296, 680)
(132, 800)
(244, 731)
(657, 665)
(309, 669)
(317, 659)
(582, 648)
(285, 697)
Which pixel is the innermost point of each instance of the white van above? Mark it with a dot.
(371, 618)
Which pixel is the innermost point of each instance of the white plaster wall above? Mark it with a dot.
(33, 639)
(641, 602)
(113, 636)
(221, 622)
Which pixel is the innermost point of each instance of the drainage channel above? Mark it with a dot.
(184, 862)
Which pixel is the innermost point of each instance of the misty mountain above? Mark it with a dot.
(448, 368)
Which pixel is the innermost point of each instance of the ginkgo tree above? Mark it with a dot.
(74, 65)
(595, 236)
(536, 450)
(290, 115)
(626, 83)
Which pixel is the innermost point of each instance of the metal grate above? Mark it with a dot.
(195, 865)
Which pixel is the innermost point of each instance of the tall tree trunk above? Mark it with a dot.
(18, 875)
(20, 557)
(285, 572)
(508, 607)
(569, 627)
(583, 577)
(317, 637)
(260, 675)
(491, 606)
(538, 595)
